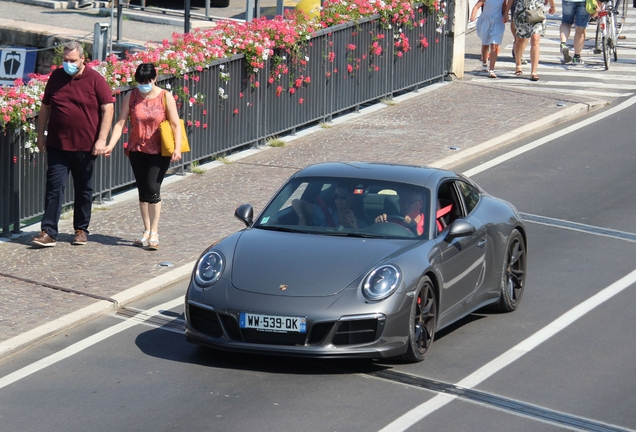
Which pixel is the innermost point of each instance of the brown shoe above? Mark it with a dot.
(80, 238)
(43, 240)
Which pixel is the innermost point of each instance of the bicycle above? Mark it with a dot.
(607, 30)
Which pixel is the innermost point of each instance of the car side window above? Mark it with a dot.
(448, 205)
(470, 194)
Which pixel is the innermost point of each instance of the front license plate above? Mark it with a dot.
(271, 323)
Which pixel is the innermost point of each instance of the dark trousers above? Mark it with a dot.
(149, 171)
(60, 164)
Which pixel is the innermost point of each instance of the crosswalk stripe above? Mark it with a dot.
(589, 80)
(552, 90)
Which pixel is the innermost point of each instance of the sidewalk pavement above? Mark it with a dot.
(45, 291)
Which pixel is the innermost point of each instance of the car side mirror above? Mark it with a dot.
(460, 228)
(245, 213)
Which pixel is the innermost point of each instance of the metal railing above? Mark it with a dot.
(250, 109)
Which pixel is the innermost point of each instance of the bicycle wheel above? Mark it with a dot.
(599, 36)
(606, 51)
(611, 34)
(621, 8)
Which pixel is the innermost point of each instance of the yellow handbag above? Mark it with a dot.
(167, 137)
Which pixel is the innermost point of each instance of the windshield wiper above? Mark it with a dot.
(352, 234)
(280, 228)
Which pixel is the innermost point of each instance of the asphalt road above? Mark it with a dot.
(115, 373)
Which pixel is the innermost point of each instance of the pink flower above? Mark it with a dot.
(349, 68)
(301, 100)
(235, 110)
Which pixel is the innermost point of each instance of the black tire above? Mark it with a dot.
(612, 36)
(513, 278)
(599, 38)
(606, 51)
(422, 323)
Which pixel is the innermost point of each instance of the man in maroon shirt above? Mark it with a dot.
(77, 109)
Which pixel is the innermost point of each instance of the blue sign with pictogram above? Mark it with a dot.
(16, 63)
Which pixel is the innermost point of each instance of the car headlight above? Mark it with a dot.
(381, 282)
(209, 269)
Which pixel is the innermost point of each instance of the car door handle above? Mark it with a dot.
(481, 243)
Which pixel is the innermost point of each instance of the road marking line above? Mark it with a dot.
(83, 344)
(579, 227)
(541, 141)
(418, 413)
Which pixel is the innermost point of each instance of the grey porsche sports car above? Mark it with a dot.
(358, 260)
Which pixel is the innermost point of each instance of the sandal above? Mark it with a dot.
(534, 77)
(491, 74)
(153, 241)
(143, 240)
(518, 71)
(484, 67)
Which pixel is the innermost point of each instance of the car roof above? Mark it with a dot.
(410, 174)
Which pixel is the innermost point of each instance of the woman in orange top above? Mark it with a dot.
(146, 108)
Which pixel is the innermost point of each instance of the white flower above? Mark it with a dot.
(168, 86)
(306, 58)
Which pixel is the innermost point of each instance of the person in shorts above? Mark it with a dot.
(573, 13)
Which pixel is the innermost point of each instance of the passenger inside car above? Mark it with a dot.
(339, 211)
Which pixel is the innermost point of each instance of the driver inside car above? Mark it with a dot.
(410, 210)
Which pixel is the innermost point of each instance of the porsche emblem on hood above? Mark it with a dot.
(282, 287)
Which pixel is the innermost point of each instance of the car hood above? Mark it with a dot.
(304, 265)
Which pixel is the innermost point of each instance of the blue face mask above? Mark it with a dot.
(145, 88)
(70, 68)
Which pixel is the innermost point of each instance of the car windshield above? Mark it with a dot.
(348, 207)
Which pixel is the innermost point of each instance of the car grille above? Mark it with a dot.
(350, 332)
(205, 321)
(356, 332)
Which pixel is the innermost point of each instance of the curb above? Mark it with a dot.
(570, 113)
(34, 336)
(182, 273)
